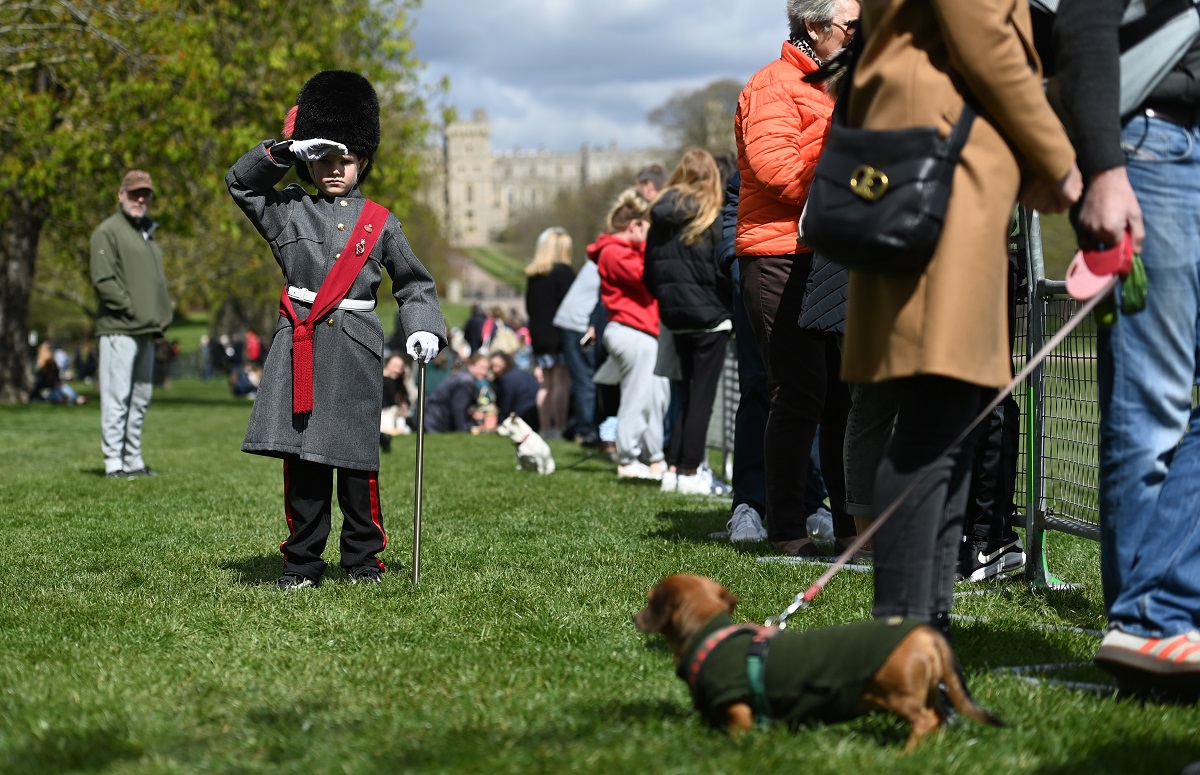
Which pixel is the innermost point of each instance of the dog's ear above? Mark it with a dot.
(657, 614)
(729, 599)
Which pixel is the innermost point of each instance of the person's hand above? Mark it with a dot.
(1110, 208)
(422, 346)
(589, 337)
(311, 150)
(1038, 194)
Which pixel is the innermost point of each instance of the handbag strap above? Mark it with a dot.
(846, 62)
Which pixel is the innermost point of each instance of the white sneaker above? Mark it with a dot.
(670, 482)
(638, 470)
(716, 486)
(693, 484)
(820, 525)
(746, 525)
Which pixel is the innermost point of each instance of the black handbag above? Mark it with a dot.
(878, 198)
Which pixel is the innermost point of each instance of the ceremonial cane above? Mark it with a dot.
(416, 564)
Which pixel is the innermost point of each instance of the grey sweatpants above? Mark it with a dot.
(126, 383)
(644, 395)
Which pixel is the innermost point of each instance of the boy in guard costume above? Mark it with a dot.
(320, 398)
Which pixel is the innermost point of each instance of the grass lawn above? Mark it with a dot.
(140, 631)
(500, 264)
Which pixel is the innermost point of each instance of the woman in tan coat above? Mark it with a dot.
(941, 334)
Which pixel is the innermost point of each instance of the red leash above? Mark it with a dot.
(802, 600)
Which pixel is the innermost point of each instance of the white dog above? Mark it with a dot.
(533, 453)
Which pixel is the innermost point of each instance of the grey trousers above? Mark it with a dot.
(644, 395)
(126, 374)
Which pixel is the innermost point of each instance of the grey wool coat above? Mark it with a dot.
(306, 233)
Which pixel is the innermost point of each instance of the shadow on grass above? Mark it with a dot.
(1072, 604)
(692, 526)
(1150, 754)
(73, 750)
(252, 571)
(577, 732)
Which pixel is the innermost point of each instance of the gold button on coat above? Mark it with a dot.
(341, 227)
(329, 322)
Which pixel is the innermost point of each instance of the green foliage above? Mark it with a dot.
(700, 119)
(182, 88)
(141, 632)
(581, 212)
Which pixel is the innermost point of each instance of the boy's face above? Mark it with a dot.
(337, 173)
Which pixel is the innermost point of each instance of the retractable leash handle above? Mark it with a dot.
(420, 469)
(802, 600)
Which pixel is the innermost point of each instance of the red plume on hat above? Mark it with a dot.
(289, 122)
(336, 105)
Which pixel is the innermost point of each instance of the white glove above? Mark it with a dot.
(422, 346)
(311, 150)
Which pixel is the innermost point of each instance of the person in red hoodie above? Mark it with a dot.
(631, 338)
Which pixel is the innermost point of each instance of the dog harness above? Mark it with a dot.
(756, 658)
(333, 290)
(814, 676)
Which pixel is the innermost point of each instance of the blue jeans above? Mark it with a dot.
(1149, 432)
(581, 363)
(754, 403)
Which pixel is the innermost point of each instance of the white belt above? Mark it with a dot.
(308, 297)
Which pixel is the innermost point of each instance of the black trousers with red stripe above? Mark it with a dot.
(308, 504)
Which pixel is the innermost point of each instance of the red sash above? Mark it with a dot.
(331, 293)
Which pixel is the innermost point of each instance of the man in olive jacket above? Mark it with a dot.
(127, 273)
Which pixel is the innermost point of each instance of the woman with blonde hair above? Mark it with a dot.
(550, 276)
(695, 302)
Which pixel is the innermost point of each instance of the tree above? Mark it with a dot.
(181, 88)
(700, 119)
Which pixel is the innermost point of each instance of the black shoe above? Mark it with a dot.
(143, 471)
(295, 581)
(117, 475)
(980, 560)
(365, 574)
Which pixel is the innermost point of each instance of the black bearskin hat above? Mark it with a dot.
(336, 105)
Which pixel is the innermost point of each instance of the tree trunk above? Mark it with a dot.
(19, 232)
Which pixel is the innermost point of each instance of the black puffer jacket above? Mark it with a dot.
(692, 293)
(824, 305)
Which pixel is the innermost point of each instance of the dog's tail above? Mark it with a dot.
(956, 687)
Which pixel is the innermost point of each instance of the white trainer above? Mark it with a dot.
(693, 484)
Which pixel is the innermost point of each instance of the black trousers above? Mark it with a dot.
(701, 358)
(916, 548)
(802, 372)
(308, 504)
(990, 507)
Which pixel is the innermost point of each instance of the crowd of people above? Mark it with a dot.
(865, 383)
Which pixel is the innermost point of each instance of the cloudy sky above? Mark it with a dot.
(559, 73)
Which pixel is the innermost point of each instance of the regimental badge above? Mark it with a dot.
(360, 248)
(368, 228)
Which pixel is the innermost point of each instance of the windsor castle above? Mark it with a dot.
(477, 192)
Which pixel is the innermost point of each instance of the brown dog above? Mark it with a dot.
(827, 675)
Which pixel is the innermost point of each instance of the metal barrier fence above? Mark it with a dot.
(1061, 415)
(1056, 468)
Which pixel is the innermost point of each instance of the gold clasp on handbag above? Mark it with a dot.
(868, 182)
